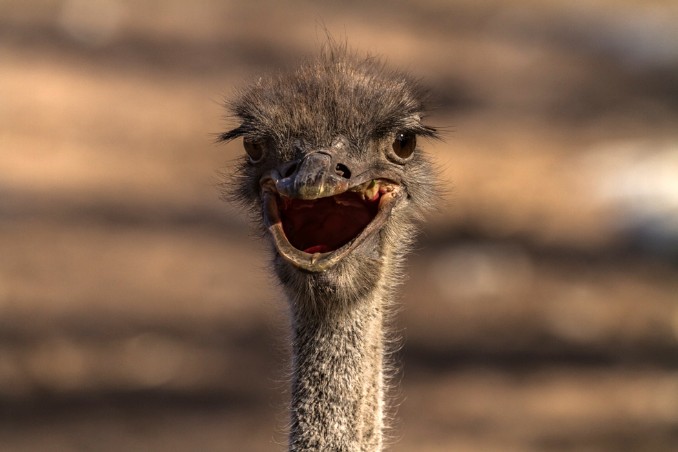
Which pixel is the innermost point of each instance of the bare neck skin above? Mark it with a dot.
(337, 391)
(338, 379)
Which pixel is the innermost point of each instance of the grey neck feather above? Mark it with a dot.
(337, 391)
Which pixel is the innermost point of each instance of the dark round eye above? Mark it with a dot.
(254, 148)
(404, 144)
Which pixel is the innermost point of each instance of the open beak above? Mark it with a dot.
(317, 215)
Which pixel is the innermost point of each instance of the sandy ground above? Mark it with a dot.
(541, 308)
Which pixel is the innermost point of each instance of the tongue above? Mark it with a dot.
(317, 249)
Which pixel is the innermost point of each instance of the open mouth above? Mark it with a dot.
(315, 234)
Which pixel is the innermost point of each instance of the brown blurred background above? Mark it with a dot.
(541, 311)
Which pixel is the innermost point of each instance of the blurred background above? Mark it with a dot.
(541, 308)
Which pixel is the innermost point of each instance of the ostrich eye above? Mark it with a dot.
(254, 149)
(404, 144)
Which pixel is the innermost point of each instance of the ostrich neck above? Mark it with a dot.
(337, 391)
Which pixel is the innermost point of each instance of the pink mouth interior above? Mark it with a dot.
(326, 224)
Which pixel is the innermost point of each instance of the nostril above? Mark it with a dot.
(290, 170)
(343, 171)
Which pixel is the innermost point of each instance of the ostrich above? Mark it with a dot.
(333, 175)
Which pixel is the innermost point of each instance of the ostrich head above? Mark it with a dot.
(333, 172)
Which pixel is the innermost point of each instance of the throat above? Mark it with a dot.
(326, 224)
